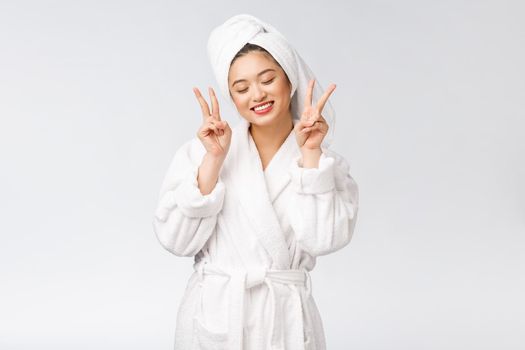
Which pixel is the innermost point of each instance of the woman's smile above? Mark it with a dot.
(264, 108)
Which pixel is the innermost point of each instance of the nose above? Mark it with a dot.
(258, 93)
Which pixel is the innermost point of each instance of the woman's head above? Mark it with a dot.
(230, 38)
(256, 78)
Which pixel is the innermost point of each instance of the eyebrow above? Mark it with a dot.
(261, 73)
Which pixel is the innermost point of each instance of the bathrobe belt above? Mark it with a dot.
(242, 280)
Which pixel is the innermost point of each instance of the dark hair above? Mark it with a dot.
(252, 47)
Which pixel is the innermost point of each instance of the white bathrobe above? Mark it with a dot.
(254, 239)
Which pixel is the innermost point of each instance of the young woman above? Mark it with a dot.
(257, 204)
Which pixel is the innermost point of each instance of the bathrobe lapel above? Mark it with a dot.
(277, 171)
(249, 185)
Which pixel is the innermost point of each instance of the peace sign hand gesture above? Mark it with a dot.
(214, 133)
(312, 127)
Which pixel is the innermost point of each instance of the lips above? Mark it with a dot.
(261, 104)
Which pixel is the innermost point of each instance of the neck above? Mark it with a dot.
(269, 138)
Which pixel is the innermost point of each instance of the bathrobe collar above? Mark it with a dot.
(256, 192)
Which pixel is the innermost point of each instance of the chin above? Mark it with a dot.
(263, 120)
(270, 118)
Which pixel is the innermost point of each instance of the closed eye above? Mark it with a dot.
(264, 82)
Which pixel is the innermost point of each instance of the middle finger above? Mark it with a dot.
(214, 104)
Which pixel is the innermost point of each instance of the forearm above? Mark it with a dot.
(208, 173)
(323, 204)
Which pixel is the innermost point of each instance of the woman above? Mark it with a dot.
(255, 205)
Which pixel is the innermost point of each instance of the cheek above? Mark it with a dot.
(284, 90)
(245, 101)
(240, 102)
(285, 94)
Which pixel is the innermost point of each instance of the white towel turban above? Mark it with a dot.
(229, 38)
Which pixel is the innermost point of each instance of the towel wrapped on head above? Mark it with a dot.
(230, 37)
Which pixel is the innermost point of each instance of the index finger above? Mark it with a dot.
(204, 105)
(324, 98)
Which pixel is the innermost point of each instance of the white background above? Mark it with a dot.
(95, 98)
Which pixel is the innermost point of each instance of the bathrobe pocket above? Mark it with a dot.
(309, 341)
(210, 323)
(309, 333)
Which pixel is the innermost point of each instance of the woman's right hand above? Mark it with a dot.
(214, 133)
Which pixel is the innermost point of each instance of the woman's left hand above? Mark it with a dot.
(311, 129)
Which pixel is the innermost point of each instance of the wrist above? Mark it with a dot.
(213, 158)
(311, 157)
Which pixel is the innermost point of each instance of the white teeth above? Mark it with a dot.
(263, 106)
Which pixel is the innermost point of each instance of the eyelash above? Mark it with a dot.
(264, 82)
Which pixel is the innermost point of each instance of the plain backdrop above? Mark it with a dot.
(96, 97)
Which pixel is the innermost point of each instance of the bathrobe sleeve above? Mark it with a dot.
(185, 218)
(324, 204)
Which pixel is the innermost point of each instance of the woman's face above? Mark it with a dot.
(255, 79)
